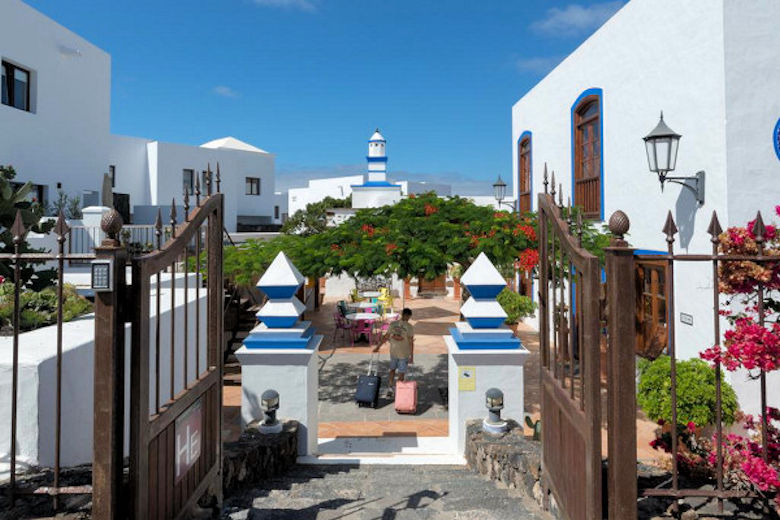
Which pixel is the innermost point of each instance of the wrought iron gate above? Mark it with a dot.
(175, 418)
(570, 364)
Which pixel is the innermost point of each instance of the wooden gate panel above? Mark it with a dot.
(570, 366)
(176, 440)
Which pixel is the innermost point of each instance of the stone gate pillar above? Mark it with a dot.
(483, 353)
(280, 354)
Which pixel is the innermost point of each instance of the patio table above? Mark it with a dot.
(354, 316)
(362, 305)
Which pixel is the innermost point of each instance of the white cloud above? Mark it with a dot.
(537, 65)
(576, 19)
(301, 5)
(222, 90)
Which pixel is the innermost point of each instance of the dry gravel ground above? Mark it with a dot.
(381, 493)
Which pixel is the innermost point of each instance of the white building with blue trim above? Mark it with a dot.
(371, 189)
(376, 190)
(712, 67)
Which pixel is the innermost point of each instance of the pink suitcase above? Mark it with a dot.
(406, 397)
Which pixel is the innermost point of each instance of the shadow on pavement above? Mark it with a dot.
(338, 380)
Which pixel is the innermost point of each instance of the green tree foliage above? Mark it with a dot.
(695, 392)
(420, 236)
(15, 198)
(68, 206)
(313, 219)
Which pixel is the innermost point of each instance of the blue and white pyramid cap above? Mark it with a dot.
(482, 314)
(280, 314)
(282, 279)
(484, 328)
(482, 279)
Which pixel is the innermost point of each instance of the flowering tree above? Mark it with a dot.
(420, 236)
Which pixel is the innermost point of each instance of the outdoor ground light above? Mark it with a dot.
(499, 192)
(494, 401)
(269, 403)
(661, 146)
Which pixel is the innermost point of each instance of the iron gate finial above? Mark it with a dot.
(111, 224)
(759, 229)
(17, 230)
(670, 228)
(714, 228)
(173, 218)
(619, 225)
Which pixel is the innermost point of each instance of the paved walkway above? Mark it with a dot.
(381, 493)
(341, 363)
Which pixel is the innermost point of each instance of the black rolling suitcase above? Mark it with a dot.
(367, 393)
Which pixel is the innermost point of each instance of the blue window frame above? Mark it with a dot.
(524, 173)
(587, 153)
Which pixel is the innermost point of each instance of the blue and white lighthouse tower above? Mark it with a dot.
(280, 354)
(377, 158)
(376, 190)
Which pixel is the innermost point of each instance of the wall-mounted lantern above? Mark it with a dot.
(499, 192)
(661, 146)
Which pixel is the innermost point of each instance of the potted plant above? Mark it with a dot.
(456, 271)
(516, 307)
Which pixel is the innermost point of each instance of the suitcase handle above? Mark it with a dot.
(371, 362)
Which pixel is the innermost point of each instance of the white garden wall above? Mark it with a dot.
(37, 380)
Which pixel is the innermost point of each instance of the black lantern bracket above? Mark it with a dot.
(695, 183)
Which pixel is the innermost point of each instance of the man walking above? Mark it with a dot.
(400, 334)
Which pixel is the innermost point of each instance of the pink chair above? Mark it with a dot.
(361, 327)
(341, 324)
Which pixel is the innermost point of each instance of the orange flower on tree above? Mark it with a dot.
(528, 259)
(430, 210)
(389, 248)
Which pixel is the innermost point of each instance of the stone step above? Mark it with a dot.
(387, 459)
(432, 492)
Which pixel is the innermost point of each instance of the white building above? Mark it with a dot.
(420, 187)
(319, 189)
(369, 190)
(490, 201)
(55, 123)
(712, 67)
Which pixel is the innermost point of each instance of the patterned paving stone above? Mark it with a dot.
(381, 493)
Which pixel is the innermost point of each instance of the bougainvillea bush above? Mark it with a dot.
(752, 344)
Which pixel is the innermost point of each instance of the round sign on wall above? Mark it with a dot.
(776, 138)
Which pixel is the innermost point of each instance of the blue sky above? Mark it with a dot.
(309, 80)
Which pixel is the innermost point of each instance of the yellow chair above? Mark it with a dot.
(386, 300)
(355, 296)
